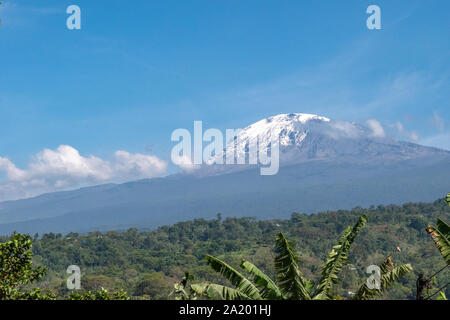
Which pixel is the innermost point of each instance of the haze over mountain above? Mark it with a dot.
(324, 164)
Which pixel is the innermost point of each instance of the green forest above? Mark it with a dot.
(142, 264)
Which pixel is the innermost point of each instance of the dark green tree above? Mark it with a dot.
(101, 294)
(154, 285)
(16, 269)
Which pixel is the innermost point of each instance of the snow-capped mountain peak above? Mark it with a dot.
(306, 137)
(288, 127)
(291, 130)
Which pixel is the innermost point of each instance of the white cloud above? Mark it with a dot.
(342, 129)
(185, 164)
(10, 169)
(135, 166)
(376, 127)
(67, 162)
(64, 168)
(410, 135)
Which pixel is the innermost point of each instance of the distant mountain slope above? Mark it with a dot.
(326, 165)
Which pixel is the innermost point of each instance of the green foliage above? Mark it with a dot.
(101, 294)
(97, 282)
(16, 273)
(183, 291)
(154, 284)
(441, 296)
(441, 237)
(242, 284)
(268, 288)
(337, 258)
(218, 292)
(16, 269)
(34, 294)
(389, 275)
(290, 279)
(128, 256)
(443, 228)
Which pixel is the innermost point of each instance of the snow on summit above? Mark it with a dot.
(289, 129)
(287, 126)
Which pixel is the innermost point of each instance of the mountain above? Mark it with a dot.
(325, 164)
(306, 137)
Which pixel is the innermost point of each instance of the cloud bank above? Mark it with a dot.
(64, 168)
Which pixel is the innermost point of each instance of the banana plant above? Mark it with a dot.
(290, 283)
(336, 259)
(181, 291)
(389, 275)
(441, 296)
(244, 286)
(441, 237)
(268, 288)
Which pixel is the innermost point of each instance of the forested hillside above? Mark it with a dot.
(148, 263)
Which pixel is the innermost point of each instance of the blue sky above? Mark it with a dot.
(137, 70)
